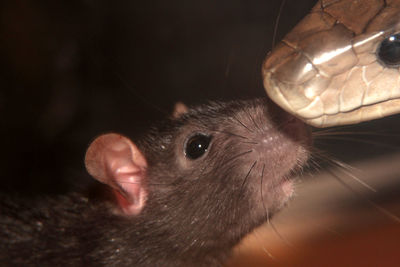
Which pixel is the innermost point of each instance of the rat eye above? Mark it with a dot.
(389, 51)
(197, 145)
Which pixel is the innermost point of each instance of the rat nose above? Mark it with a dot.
(280, 140)
(269, 142)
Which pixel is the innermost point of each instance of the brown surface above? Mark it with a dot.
(378, 246)
(327, 225)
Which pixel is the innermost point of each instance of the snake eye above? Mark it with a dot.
(389, 51)
(197, 145)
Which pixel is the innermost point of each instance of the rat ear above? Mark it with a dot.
(114, 160)
(179, 110)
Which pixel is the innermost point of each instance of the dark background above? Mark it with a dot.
(71, 70)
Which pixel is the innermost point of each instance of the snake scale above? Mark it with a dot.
(340, 64)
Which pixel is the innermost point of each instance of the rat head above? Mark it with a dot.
(216, 170)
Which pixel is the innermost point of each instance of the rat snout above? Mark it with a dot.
(271, 144)
(282, 146)
(297, 130)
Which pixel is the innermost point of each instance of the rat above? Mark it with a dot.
(183, 194)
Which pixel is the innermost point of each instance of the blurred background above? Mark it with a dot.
(71, 70)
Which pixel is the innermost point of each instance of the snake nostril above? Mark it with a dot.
(389, 51)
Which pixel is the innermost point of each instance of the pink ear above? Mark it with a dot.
(114, 160)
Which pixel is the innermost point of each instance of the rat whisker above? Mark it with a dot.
(280, 235)
(254, 122)
(248, 174)
(138, 95)
(366, 133)
(278, 17)
(261, 240)
(252, 143)
(360, 141)
(156, 184)
(236, 156)
(245, 179)
(261, 191)
(241, 123)
(346, 169)
(268, 253)
(314, 163)
(231, 134)
(337, 128)
(362, 197)
(228, 64)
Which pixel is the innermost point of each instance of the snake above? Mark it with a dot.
(340, 64)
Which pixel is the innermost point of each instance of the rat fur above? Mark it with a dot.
(164, 208)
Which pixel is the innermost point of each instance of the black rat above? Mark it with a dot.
(183, 195)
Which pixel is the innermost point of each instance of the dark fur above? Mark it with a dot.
(196, 210)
